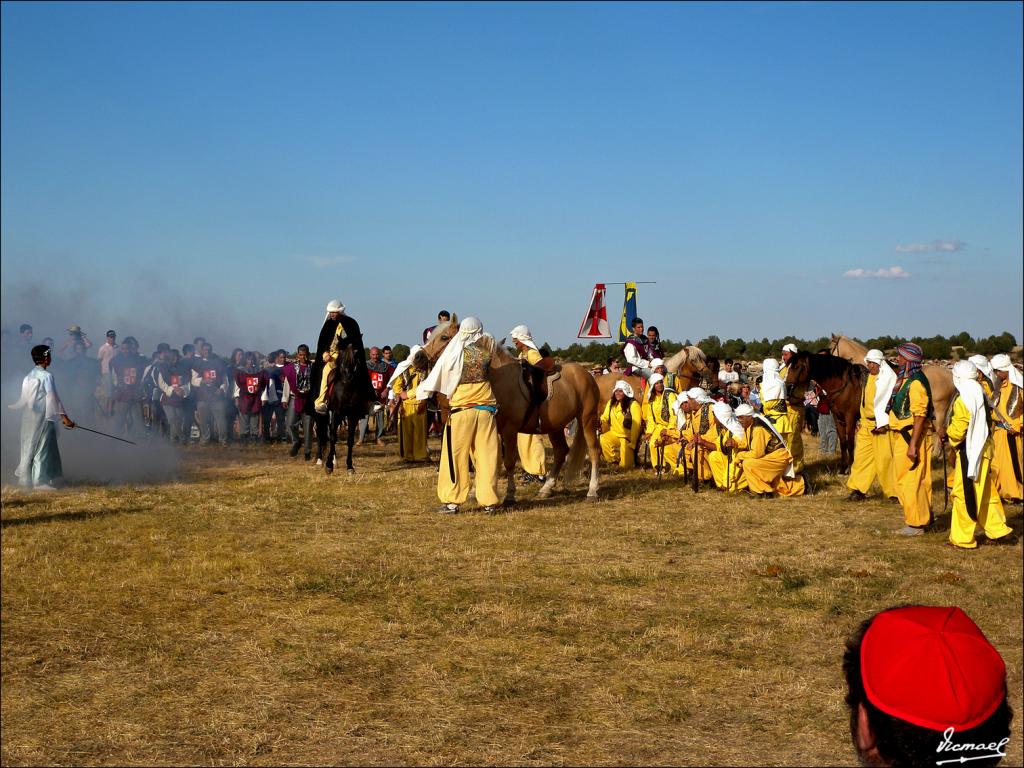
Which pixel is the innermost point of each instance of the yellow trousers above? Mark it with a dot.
(872, 460)
(991, 516)
(727, 474)
(795, 441)
(321, 399)
(617, 450)
(1006, 477)
(412, 431)
(766, 475)
(913, 485)
(531, 454)
(471, 433)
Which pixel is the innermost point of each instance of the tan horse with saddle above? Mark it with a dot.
(688, 364)
(940, 381)
(534, 405)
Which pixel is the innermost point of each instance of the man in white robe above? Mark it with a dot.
(40, 459)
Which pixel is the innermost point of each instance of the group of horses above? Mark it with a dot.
(575, 394)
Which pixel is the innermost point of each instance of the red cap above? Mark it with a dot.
(932, 667)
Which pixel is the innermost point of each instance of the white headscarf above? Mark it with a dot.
(407, 363)
(965, 379)
(982, 364)
(656, 362)
(522, 334)
(681, 398)
(1003, 363)
(744, 409)
(334, 306)
(885, 382)
(447, 371)
(624, 386)
(727, 418)
(655, 378)
(772, 385)
(790, 348)
(700, 395)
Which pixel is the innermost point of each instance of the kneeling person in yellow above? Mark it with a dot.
(531, 447)
(910, 427)
(460, 374)
(1009, 458)
(700, 430)
(872, 452)
(767, 465)
(412, 413)
(620, 426)
(721, 457)
(659, 416)
(974, 497)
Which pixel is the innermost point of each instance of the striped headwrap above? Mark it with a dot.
(912, 355)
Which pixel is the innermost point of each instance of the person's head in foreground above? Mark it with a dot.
(924, 686)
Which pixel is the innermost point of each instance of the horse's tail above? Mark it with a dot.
(574, 461)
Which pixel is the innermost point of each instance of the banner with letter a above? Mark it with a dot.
(628, 312)
(595, 324)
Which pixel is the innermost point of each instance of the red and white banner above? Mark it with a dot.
(595, 324)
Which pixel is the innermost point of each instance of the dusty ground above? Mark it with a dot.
(257, 611)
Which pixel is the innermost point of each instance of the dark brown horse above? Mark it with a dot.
(345, 403)
(841, 381)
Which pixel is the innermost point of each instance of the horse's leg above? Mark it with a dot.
(353, 421)
(594, 449)
(332, 437)
(510, 449)
(561, 450)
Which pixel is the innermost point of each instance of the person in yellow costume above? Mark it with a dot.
(669, 439)
(1009, 458)
(339, 332)
(620, 426)
(795, 439)
(659, 414)
(872, 452)
(412, 413)
(725, 470)
(765, 463)
(974, 497)
(460, 374)
(531, 447)
(910, 429)
(700, 429)
(774, 406)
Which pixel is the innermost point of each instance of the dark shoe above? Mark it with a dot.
(491, 509)
(307, 456)
(449, 509)
(295, 451)
(909, 530)
(857, 496)
(1009, 540)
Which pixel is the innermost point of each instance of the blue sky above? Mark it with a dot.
(776, 168)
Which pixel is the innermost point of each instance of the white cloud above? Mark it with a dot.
(939, 246)
(322, 262)
(890, 273)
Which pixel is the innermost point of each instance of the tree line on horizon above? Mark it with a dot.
(934, 347)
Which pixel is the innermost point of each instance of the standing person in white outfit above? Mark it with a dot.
(40, 459)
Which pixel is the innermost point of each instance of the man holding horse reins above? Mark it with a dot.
(795, 442)
(339, 332)
(531, 447)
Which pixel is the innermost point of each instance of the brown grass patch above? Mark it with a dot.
(260, 612)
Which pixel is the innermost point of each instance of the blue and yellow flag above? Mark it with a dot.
(628, 312)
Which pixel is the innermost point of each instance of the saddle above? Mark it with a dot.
(536, 383)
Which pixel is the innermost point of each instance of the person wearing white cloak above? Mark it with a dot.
(41, 407)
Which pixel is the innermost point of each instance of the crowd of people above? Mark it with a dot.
(737, 433)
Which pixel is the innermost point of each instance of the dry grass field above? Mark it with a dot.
(257, 612)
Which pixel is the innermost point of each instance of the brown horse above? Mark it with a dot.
(841, 380)
(940, 381)
(689, 364)
(574, 395)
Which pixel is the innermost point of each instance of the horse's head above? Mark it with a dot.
(798, 376)
(438, 340)
(834, 341)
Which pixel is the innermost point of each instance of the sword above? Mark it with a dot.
(104, 434)
(945, 484)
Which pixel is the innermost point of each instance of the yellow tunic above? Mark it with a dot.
(531, 447)
(657, 423)
(913, 484)
(986, 506)
(618, 444)
(872, 454)
(1008, 460)
(725, 469)
(701, 423)
(764, 463)
(412, 417)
